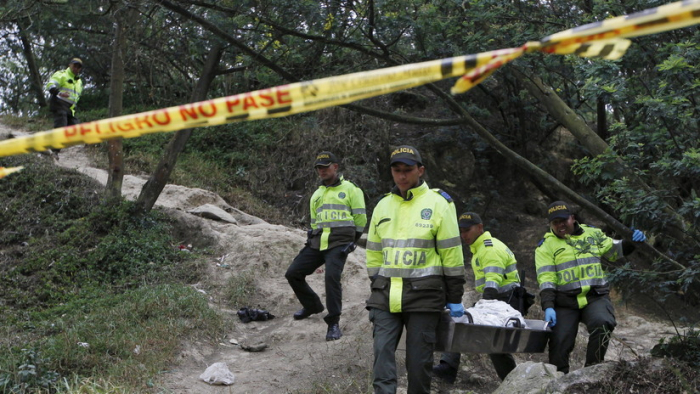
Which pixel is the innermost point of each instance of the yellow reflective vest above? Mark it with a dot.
(66, 82)
(494, 265)
(414, 252)
(569, 270)
(338, 215)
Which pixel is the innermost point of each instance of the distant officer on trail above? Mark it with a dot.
(338, 219)
(65, 88)
(573, 287)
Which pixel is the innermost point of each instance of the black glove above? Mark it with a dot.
(53, 91)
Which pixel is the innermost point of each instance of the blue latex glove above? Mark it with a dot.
(551, 316)
(456, 310)
(638, 236)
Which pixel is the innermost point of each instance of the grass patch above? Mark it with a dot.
(129, 337)
(88, 289)
(239, 289)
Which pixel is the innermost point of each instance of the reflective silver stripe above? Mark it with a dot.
(359, 211)
(497, 270)
(371, 271)
(71, 93)
(491, 284)
(410, 272)
(408, 243)
(507, 287)
(578, 262)
(479, 282)
(336, 207)
(359, 229)
(578, 285)
(547, 285)
(510, 269)
(546, 268)
(345, 223)
(454, 271)
(449, 243)
(313, 220)
(376, 246)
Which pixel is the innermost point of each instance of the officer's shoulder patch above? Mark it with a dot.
(488, 242)
(540, 243)
(444, 194)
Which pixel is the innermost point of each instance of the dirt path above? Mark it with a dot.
(297, 358)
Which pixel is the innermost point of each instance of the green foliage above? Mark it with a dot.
(31, 374)
(63, 243)
(684, 347)
(131, 336)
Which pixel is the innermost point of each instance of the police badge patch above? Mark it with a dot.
(426, 214)
(341, 195)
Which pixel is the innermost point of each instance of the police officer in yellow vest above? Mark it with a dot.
(65, 88)
(338, 219)
(496, 277)
(572, 284)
(416, 268)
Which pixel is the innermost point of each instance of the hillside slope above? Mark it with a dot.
(297, 357)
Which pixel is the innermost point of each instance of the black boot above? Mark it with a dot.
(333, 332)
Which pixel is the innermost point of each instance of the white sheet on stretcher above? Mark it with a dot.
(492, 313)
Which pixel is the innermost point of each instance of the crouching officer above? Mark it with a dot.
(338, 219)
(496, 277)
(416, 268)
(572, 284)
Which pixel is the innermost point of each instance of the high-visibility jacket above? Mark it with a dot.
(66, 82)
(414, 252)
(494, 265)
(569, 270)
(338, 214)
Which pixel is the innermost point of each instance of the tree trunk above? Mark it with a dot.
(115, 173)
(155, 184)
(550, 181)
(556, 107)
(36, 84)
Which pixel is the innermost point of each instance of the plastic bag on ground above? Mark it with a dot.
(218, 373)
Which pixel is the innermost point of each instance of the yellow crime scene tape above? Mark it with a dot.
(5, 171)
(604, 39)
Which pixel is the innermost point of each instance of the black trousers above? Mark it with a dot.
(420, 344)
(306, 263)
(599, 318)
(503, 363)
(62, 118)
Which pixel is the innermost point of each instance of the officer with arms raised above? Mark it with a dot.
(496, 277)
(416, 268)
(572, 283)
(338, 219)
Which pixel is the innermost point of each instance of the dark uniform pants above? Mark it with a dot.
(599, 318)
(305, 264)
(503, 363)
(62, 118)
(420, 344)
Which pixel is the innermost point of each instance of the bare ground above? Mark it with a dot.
(297, 358)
